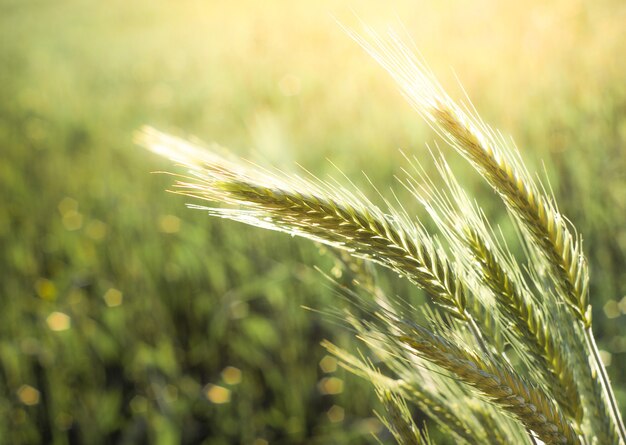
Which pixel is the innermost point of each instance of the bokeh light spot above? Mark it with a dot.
(328, 364)
(231, 375)
(72, 220)
(606, 357)
(113, 297)
(169, 224)
(58, 321)
(336, 414)
(622, 305)
(71, 217)
(611, 309)
(67, 205)
(217, 394)
(46, 290)
(371, 425)
(139, 404)
(96, 230)
(330, 385)
(28, 395)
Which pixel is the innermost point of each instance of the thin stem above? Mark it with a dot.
(606, 384)
(473, 326)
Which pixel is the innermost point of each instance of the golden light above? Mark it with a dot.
(231, 375)
(328, 364)
(113, 297)
(28, 395)
(217, 394)
(330, 385)
(336, 414)
(58, 321)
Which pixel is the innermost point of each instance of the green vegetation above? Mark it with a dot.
(127, 318)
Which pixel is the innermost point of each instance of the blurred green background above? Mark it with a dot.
(127, 318)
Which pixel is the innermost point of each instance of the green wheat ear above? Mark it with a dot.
(545, 229)
(448, 359)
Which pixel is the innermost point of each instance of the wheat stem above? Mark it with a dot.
(604, 377)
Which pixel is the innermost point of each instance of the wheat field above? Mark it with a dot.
(129, 318)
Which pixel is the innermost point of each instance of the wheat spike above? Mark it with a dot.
(498, 383)
(398, 420)
(464, 225)
(447, 419)
(325, 214)
(487, 151)
(529, 325)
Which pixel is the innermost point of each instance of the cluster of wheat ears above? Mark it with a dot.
(505, 353)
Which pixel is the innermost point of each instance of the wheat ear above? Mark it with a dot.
(487, 152)
(328, 215)
(464, 225)
(398, 420)
(501, 385)
(529, 325)
(448, 419)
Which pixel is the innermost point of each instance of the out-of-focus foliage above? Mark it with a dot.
(128, 319)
